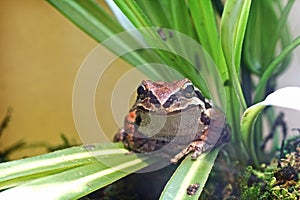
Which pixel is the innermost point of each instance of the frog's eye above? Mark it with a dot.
(141, 91)
(189, 91)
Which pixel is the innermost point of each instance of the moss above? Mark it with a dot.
(278, 180)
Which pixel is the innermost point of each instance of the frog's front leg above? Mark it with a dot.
(196, 146)
(201, 144)
(125, 134)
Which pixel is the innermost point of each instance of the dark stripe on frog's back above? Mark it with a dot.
(184, 124)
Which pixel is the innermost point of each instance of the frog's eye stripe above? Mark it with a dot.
(153, 99)
(203, 99)
(199, 95)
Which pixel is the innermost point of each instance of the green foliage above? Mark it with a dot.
(72, 172)
(188, 172)
(278, 180)
(285, 98)
(241, 41)
(267, 186)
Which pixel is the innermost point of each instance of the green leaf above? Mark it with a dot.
(89, 17)
(267, 27)
(207, 30)
(233, 26)
(288, 97)
(206, 26)
(152, 36)
(259, 92)
(134, 13)
(261, 24)
(96, 22)
(157, 12)
(181, 22)
(15, 172)
(189, 172)
(70, 173)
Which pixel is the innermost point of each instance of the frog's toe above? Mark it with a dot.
(181, 154)
(196, 146)
(198, 149)
(119, 136)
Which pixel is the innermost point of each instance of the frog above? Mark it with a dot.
(173, 118)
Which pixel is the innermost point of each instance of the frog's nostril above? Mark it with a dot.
(167, 104)
(157, 105)
(170, 101)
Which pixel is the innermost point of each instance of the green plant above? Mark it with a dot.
(277, 180)
(239, 39)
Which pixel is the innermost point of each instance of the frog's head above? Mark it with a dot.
(168, 97)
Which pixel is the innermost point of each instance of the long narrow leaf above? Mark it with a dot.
(190, 172)
(206, 26)
(14, 172)
(77, 182)
(268, 27)
(259, 92)
(108, 160)
(96, 22)
(156, 12)
(181, 22)
(88, 16)
(233, 26)
(134, 13)
(279, 32)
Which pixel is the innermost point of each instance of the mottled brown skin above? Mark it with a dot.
(173, 117)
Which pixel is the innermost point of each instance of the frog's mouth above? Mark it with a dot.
(163, 111)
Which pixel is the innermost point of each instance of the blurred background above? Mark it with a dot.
(40, 54)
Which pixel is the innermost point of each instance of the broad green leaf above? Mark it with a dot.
(190, 172)
(288, 97)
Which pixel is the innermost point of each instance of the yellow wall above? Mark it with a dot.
(40, 53)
